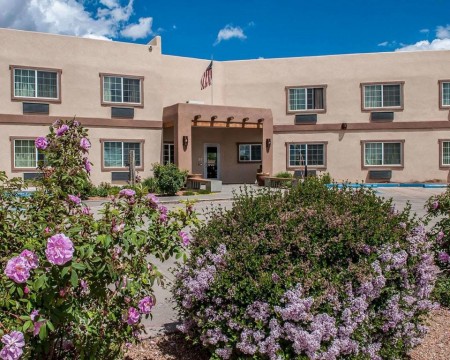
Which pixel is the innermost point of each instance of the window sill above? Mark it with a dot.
(133, 105)
(28, 170)
(36, 100)
(311, 167)
(306, 112)
(383, 109)
(382, 167)
(124, 169)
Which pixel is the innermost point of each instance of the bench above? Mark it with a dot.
(210, 185)
(277, 182)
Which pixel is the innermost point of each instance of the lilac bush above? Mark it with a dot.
(73, 286)
(314, 273)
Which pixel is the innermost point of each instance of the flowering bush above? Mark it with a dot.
(439, 208)
(169, 179)
(73, 285)
(314, 273)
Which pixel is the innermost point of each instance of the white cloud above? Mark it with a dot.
(71, 17)
(138, 31)
(230, 32)
(384, 43)
(424, 31)
(441, 42)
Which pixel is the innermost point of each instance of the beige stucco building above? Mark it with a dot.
(362, 117)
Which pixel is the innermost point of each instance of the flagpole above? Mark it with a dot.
(212, 80)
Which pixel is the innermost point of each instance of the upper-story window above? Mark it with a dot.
(444, 91)
(122, 90)
(306, 98)
(36, 84)
(382, 96)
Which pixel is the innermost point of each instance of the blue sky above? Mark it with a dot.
(244, 29)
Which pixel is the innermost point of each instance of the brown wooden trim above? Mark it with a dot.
(306, 111)
(89, 122)
(13, 168)
(403, 125)
(383, 167)
(250, 161)
(395, 108)
(442, 107)
(105, 103)
(36, 99)
(108, 169)
(441, 165)
(312, 167)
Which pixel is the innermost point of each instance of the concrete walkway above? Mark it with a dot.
(164, 315)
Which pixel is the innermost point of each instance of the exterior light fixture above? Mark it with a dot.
(196, 117)
(268, 143)
(260, 120)
(185, 141)
(344, 126)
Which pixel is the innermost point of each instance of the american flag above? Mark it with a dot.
(207, 77)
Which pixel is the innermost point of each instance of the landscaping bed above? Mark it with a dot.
(174, 347)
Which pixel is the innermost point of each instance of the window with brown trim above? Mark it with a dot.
(306, 98)
(26, 155)
(444, 153)
(382, 153)
(306, 154)
(249, 153)
(444, 91)
(168, 153)
(122, 89)
(36, 84)
(382, 96)
(115, 154)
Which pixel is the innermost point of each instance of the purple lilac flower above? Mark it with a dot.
(59, 249)
(60, 131)
(399, 259)
(74, 199)
(37, 327)
(440, 236)
(145, 305)
(153, 200)
(118, 228)
(435, 204)
(31, 258)
(41, 143)
(127, 193)
(34, 314)
(184, 238)
(224, 353)
(444, 257)
(87, 165)
(17, 269)
(133, 316)
(86, 210)
(14, 342)
(85, 144)
(259, 311)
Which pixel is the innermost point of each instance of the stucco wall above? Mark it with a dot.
(228, 139)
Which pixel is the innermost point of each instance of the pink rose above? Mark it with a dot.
(31, 258)
(133, 316)
(145, 305)
(85, 144)
(18, 269)
(41, 143)
(14, 342)
(59, 249)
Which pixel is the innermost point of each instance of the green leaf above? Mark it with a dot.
(43, 332)
(50, 326)
(78, 266)
(65, 271)
(74, 278)
(39, 282)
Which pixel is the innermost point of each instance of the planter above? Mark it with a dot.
(194, 176)
(260, 178)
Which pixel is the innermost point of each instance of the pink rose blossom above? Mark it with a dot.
(85, 144)
(41, 143)
(14, 342)
(127, 193)
(37, 327)
(435, 205)
(133, 316)
(86, 211)
(87, 165)
(163, 213)
(59, 249)
(34, 315)
(47, 230)
(145, 305)
(17, 269)
(26, 290)
(74, 199)
(31, 258)
(184, 238)
(62, 130)
(153, 200)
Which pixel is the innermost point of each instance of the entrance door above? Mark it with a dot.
(212, 161)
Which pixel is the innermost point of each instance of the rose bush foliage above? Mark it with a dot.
(73, 285)
(313, 273)
(439, 212)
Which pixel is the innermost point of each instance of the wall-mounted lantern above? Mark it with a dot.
(185, 141)
(268, 144)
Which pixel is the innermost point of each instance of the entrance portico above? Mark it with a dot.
(223, 142)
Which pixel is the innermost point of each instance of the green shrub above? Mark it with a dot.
(313, 273)
(439, 212)
(169, 179)
(284, 174)
(74, 286)
(151, 184)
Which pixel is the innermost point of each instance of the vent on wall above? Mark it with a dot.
(31, 176)
(382, 116)
(305, 119)
(120, 176)
(380, 174)
(124, 113)
(35, 108)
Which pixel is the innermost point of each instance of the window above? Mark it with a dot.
(26, 156)
(445, 93)
(116, 153)
(306, 154)
(445, 152)
(306, 98)
(382, 96)
(383, 153)
(168, 153)
(250, 152)
(36, 84)
(122, 90)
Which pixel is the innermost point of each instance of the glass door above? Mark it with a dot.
(211, 162)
